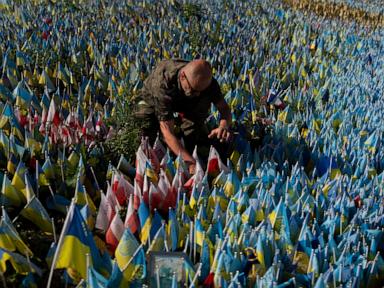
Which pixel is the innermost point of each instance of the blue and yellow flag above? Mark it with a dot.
(21, 264)
(77, 243)
(35, 212)
(10, 238)
(145, 222)
(12, 195)
(172, 230)
(130, 257)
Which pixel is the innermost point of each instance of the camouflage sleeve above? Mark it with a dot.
(163, 107)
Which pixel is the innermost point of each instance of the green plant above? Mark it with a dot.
(126, 138)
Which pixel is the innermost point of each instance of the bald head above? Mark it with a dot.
(199, 74)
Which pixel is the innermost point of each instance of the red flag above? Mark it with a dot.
(111, 203)
(208, 282)
(215, 166)
(121, 187)
(156, 198)
(131, 219)
(136, 196)
(114, 233)
(141, 160)
(53, 114)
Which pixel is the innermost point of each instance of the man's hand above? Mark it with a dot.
(166, 128)
(221, 133)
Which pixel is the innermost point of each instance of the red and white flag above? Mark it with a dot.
(102, 221)
(131, 220)
(114, 232)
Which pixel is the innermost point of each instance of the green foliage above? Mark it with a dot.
(126, 139)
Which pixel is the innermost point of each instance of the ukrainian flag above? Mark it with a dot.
(157, 244)
(371, 143)
(48, 169)
(63, 75)
(194, 198)
(276, 217)
(6, 117)
(260, 253)
(77, 243)
(82, 198)
(335, 170)
(42, 178)
(151, 174)
(285, 116)
(23, 97)
(46, 81)
(232, 184)
(199, 233)
(12, 163)
(11, 194)
(18, 178)
(172, 230)
(301, 258)
(22, 58)
(249, 216)
(21, 264)
(145, 222)
(36, 213)
(9, 238)
(127, 249)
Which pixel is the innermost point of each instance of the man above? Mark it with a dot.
(189, 89)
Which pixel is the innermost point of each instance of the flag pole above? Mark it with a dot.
(3, 190)
(63, 230)
(157, 276)
(51, 191)
(190, 239)
(54, 230)
(186, 244)
(88, 260)
(133, 256)
(196, 275)
(166, 245)
(154, 238)
(94, 176)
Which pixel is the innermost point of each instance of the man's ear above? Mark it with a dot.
(182, 74)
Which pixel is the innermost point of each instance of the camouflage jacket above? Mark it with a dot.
(162, 95)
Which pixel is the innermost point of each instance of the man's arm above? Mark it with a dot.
(223, 132)
(166, 128)
(225, 112)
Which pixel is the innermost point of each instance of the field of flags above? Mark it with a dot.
(301, 208)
